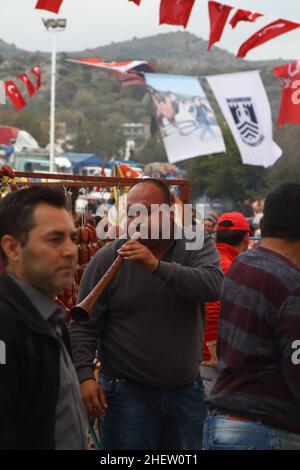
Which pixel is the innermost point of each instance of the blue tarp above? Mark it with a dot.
(127, 162)
(7, 149)
(80, 160)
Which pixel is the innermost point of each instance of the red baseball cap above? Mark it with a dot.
(238, 222)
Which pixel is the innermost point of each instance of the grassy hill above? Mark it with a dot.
(180, 50)
(93, 104)
(8, 51)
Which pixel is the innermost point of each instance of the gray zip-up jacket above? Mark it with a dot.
(148, 327)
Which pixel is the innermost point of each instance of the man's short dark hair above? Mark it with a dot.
(281, 212)
(16, 210)
(230, 237)
(210, 218)
(159, 184)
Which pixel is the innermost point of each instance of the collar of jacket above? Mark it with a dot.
(228, 250)
(13, 295)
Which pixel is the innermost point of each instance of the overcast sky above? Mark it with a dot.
(93, 23)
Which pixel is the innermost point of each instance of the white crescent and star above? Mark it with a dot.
(12, 91)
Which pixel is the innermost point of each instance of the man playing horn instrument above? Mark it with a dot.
(147, 328)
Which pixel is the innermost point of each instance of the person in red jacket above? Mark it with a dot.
(232, 237)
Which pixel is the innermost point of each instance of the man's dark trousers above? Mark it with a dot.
(140, 417)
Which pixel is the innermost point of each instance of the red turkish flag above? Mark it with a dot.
(243, 15)
(175, 12)
(289, 110)
(127, 171)
(14, 95)
(137, 2)
(49, 5)
(36, 70)
(218, 14)
(131, 78)
(25, 79)
(266, 33)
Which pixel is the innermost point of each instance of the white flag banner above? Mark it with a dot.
(2, 93)
(245, 105)
(187, 122)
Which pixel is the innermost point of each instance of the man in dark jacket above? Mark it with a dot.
(147, 328)
(40, 405)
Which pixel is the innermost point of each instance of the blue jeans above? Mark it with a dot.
(221, 433)
(140, 417)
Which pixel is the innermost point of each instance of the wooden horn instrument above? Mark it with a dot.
(83, 310)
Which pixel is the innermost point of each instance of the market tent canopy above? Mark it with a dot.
(80, 160)
(63, 162)
(8, 134)
(19, 139)
(25, 141)
(6, 150)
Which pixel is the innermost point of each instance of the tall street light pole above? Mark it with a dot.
(53, 26)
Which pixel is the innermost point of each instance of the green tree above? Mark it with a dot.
(153, 151)
(107, 138)
(282, 173)
(82, 141)
(28, 122)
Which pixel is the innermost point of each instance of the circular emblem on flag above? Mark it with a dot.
(245, 118)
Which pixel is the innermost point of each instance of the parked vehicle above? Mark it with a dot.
(38, 162)
(94, 171)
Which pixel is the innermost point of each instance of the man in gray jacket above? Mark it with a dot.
(147, 329)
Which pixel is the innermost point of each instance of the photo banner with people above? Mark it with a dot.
(246, 108)
(187, 122)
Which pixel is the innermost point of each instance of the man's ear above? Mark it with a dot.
(246, 239)
(11, 247)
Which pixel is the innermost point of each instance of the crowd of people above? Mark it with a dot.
(198, 349)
